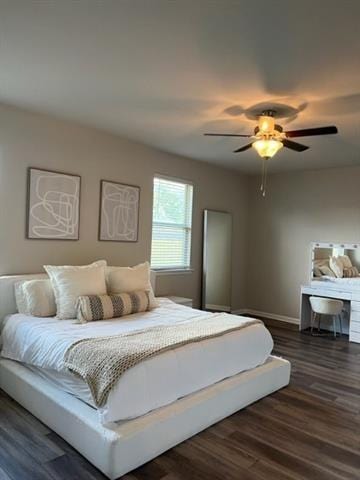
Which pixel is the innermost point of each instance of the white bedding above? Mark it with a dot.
(158, 381)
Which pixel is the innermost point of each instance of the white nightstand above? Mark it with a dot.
(187, 302)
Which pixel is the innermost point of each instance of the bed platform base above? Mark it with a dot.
(118, 448)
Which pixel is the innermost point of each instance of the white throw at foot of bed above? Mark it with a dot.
(120, 447)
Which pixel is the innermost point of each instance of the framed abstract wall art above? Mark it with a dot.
(53, 205)
(119, 212)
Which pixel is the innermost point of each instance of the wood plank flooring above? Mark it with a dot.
(309, 430)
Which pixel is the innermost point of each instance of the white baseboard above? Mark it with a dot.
(274, 316)
(240, 311)
(221, 308)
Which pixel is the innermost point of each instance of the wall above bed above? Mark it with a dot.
(29, 139)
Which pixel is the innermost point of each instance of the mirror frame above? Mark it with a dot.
(203, 284)
(314, 245)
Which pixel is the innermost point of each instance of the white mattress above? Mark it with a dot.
(42, 342)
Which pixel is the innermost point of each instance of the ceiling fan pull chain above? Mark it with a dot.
(265, 177)
(262, 175)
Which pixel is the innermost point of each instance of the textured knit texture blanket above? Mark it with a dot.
(101, 361)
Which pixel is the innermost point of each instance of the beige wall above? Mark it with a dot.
(271, 237)
(299, 208)
(28, 139)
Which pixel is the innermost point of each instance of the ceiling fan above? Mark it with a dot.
(269, 138)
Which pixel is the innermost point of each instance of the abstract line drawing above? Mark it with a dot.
(119, 212)
(53, 205)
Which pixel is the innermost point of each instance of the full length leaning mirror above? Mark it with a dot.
(216, 290)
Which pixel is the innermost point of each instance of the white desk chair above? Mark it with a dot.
(326, 306)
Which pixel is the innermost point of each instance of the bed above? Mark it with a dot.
(155, 405)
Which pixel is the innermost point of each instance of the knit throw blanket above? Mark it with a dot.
(101, 361)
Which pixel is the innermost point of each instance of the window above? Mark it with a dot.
(171, 230)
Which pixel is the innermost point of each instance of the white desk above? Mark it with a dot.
(352, 299)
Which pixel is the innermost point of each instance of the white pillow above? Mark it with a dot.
(36, 298)
(21, 303)
(336, 266)
(131, 279)
(70, 282)
(325, 270)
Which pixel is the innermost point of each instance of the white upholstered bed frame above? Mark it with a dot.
(123, 446)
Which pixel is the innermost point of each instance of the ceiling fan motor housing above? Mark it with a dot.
(277, 128)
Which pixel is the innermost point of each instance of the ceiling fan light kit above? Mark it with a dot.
(269, 138)
(267, 148)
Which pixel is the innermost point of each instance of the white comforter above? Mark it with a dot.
(42, 342)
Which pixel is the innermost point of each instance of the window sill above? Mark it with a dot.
(174, 271)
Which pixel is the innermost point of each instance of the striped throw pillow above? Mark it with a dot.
(103, 307)
(351, 272)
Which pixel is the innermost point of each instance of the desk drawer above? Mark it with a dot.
(354, 337)
(355, 327)
(355, 306)
(355, 316)
(356, 296)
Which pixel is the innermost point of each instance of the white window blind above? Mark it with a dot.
(171, 230)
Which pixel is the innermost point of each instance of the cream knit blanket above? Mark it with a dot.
(101, 361)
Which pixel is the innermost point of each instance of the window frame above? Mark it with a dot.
(173, 270)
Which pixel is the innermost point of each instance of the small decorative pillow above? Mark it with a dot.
(103, 307)
(351, 272)
(336, 266)
(36, 298)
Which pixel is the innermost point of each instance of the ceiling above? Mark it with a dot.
(163, 72)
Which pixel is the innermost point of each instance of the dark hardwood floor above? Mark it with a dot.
(309, 430)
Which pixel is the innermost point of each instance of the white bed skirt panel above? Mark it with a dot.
(119, 448)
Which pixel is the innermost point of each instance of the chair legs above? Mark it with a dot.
(334, 326)
(340, 325)
(340, 321)
(317, 317)
(313, 319)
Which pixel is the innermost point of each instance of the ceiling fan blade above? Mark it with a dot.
(226, 135)
(308, 132)
(244, 148)
(294, 145)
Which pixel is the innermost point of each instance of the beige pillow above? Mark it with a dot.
(70, 282)
(130, 279)
(336, 266)
(36, 298)
(345, 260)
(316, 271)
